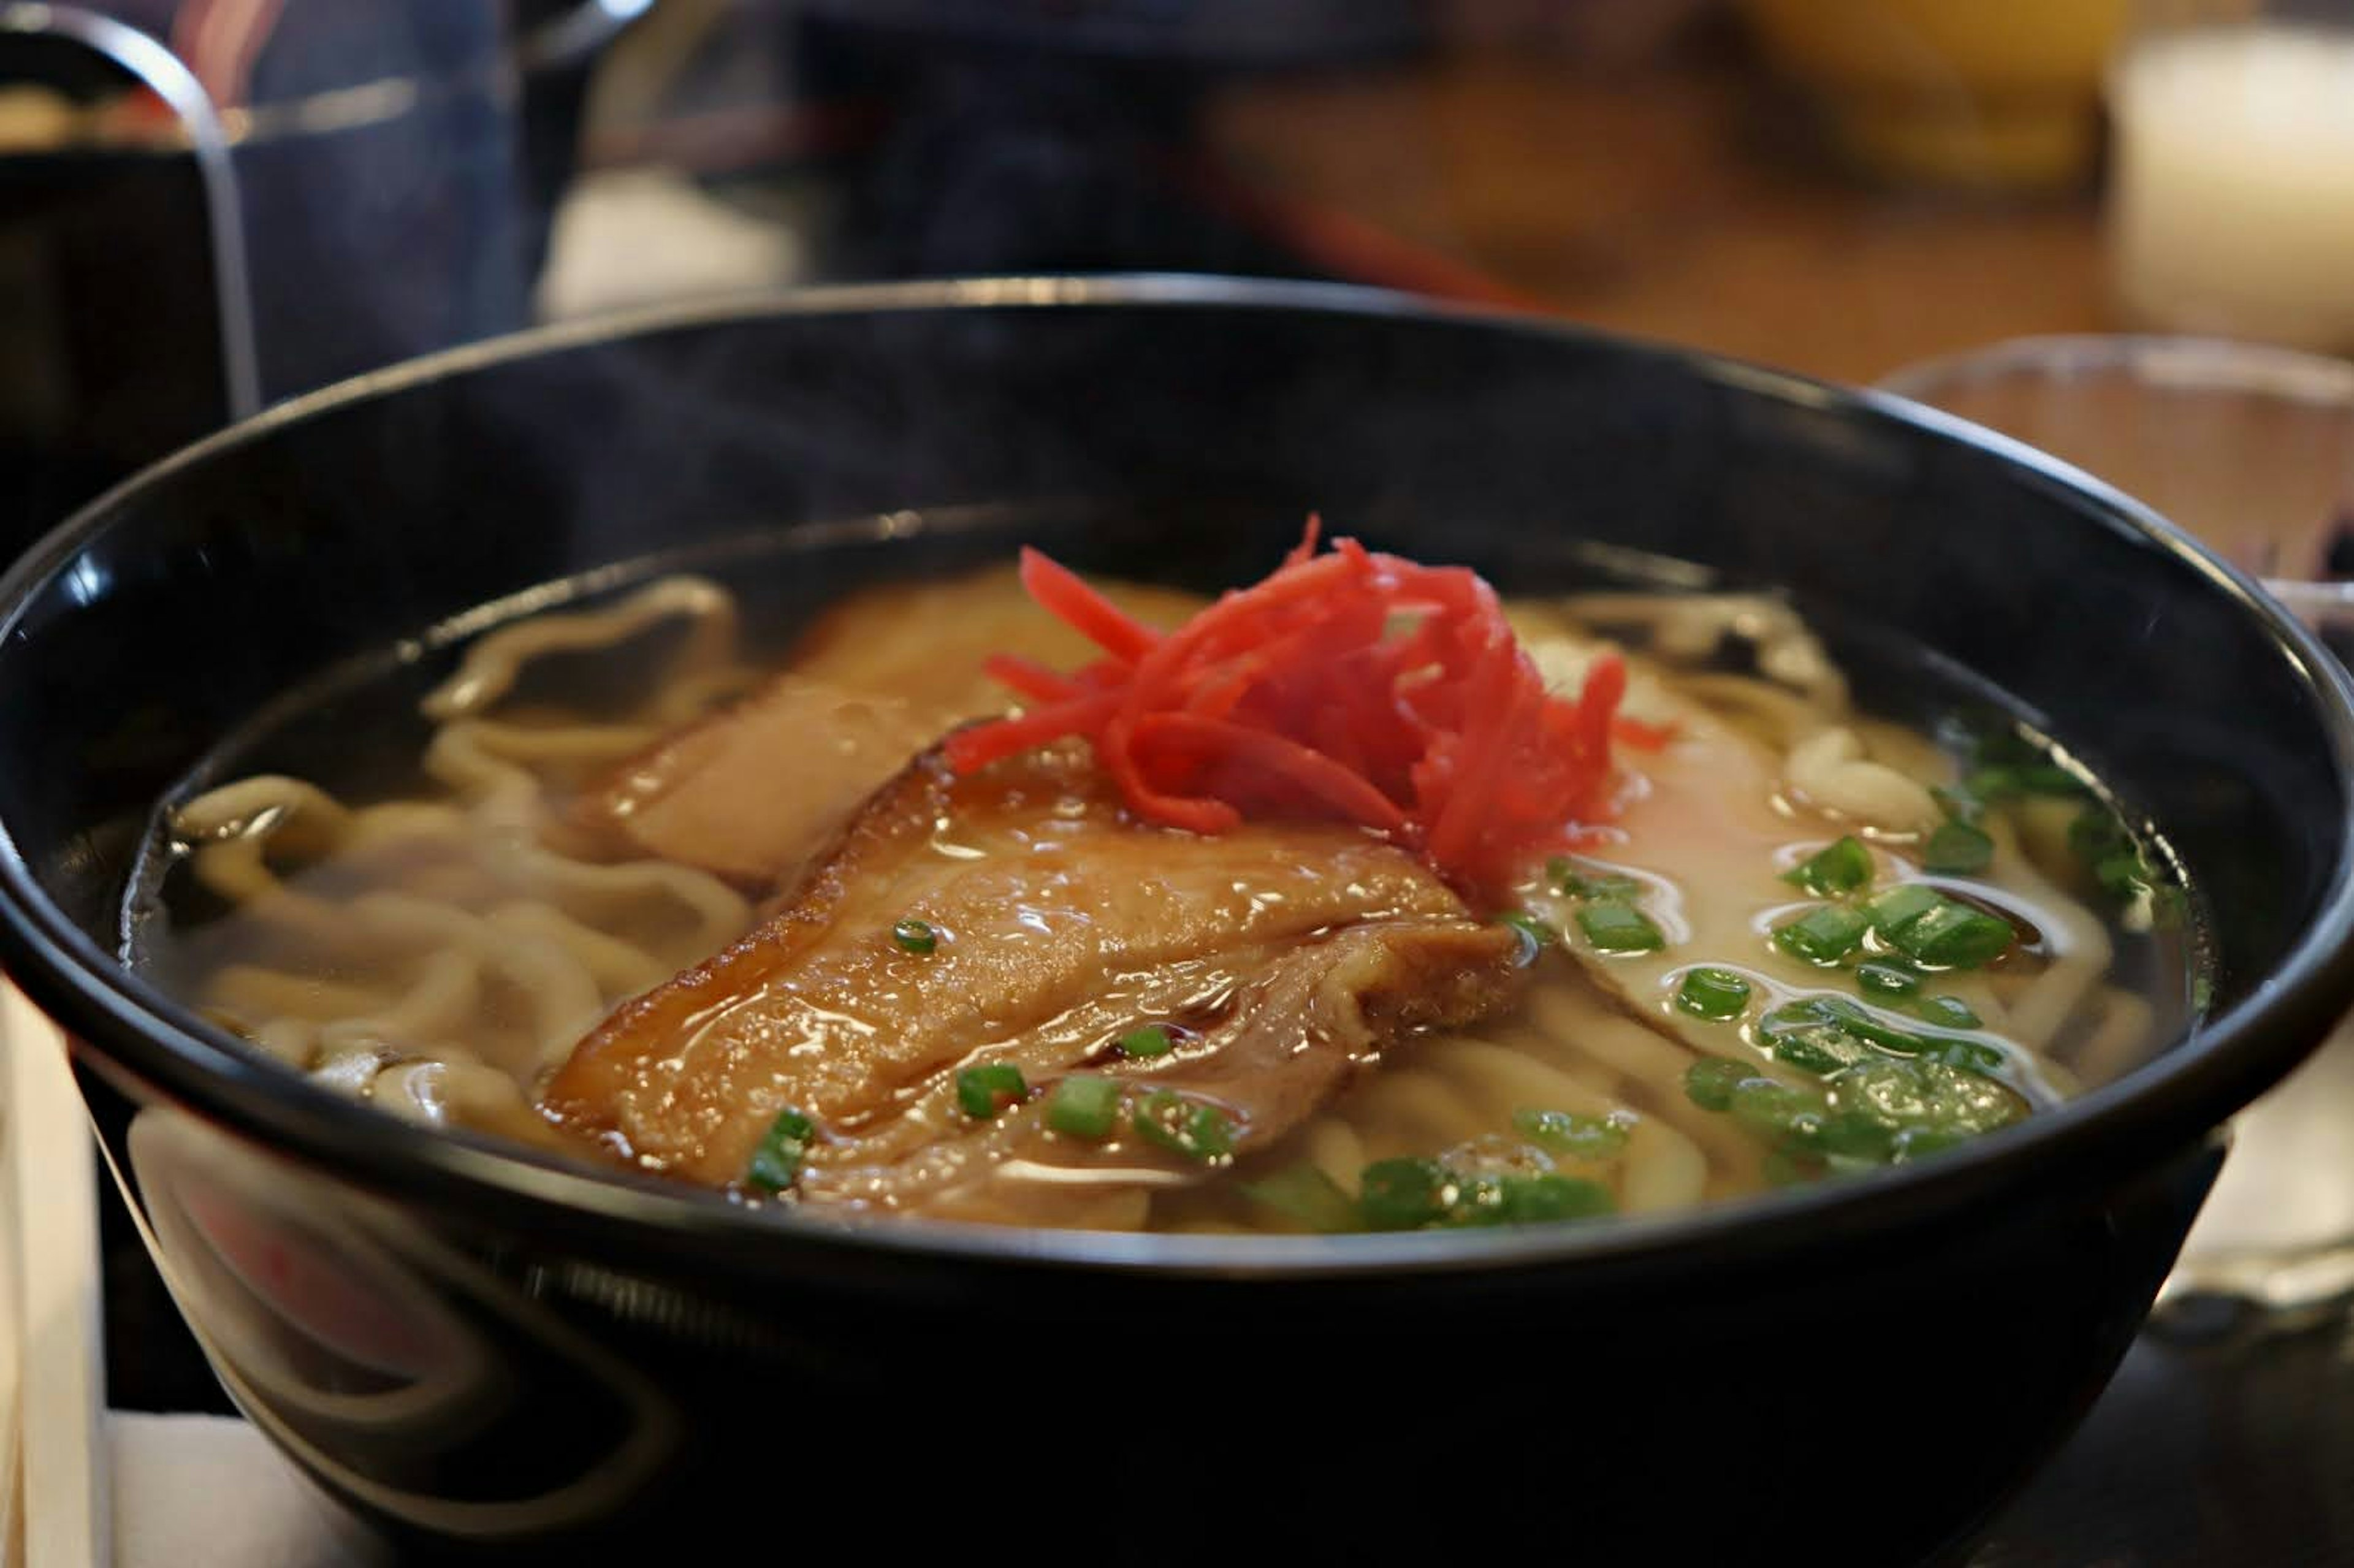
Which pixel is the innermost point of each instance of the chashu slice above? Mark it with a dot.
(1281, 958)
(752, 793)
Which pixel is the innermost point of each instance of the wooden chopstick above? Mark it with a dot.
(49, 1177)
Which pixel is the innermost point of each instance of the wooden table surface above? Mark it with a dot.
(1683, 202)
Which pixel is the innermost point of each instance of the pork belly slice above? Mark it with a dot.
(751, 794)
(1281, 958)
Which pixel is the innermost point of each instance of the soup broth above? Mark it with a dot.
(1799, 941)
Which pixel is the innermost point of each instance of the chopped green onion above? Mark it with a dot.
(1828, 1034)
(1417, 1194)
(985, 1091)
(1900, 906)
(1957, 848)
(1713, 993)
(1619, 929)
(1957, 804)
(1566, 874)
(1823, 935)
(1535, 935)
(1865, 1026)
(1823, 1049)
(2048, 778)
(1945, 1012)
(1966, 1056)
(2118, 864)
(1814, 1035)
(915, 937)
(2203, 993)
(1183, 1125)
(1579, 1137)
(1151, 1040)
(2095, 831)
(1775, 1110)
(1304, 1193)
(1403, 1194)
(1849, 1135)
(1084, 1106)
(1954, 935)
(1879, 1110)
(1840, 867)
(1928, 1093)
(777, 1162)
(1886, 979)
(1992, 783)
(1709, 1083)
(1537, 1200)
(1921, 1142)
(2124, 875)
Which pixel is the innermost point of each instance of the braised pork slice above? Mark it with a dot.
(1276, 958)
(752, 793)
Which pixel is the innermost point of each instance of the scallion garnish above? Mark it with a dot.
(1900, 905)
(984, 1091)
(1713, 993)
(1886, 979)
(915, 937)
(1957, 848)
(1967, 1055)
(1709, 1083)
(1304, 1193)
(1619, 929)
(1879, 1110)
(1945, 1012)
(1823, 935)
(1994, 783)
(1774, 1109)
(1954, 935)
(1084, 1106)
(1403, 1194)
(1840, 867)
(1418, 1194)
(1183, 1125)
(1865, 1026)
(1957, 804)
(1535, 935)
(1536, 1200)
(1812, 1036)
(1579, 1137)
(1145, 1041)
(777, 1162)
(1821, 1049)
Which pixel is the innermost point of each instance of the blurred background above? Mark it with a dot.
(207, 206)
(288, 191)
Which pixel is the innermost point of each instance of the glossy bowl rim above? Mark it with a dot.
(2168, 1103)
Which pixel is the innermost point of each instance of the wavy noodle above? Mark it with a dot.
(496, 661)
(1830, 771)
(1690, 627)
(461, 919)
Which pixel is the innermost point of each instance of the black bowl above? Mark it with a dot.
(475, 1346)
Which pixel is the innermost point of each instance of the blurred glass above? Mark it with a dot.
(2231, 205)
(2250, 447)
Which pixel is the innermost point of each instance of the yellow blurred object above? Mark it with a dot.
(2000, 94)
